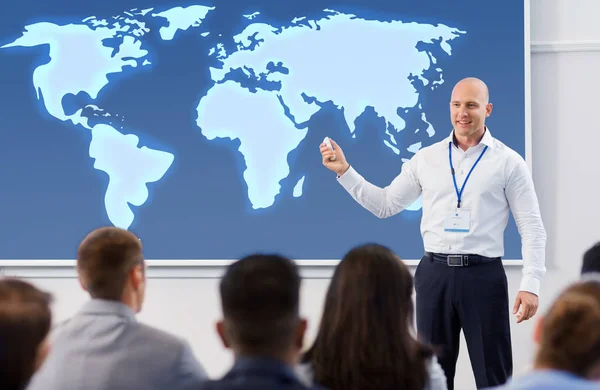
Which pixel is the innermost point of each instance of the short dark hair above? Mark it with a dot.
(591, 260)
(105, 258)
(260, 297)
(25, 321)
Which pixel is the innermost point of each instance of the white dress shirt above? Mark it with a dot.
(499, 184)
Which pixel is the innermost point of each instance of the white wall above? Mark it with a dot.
(565, 165)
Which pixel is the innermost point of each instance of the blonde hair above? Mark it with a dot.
(570, 338)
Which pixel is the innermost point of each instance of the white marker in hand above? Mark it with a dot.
(328, 143)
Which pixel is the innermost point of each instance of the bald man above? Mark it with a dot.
(469, 183)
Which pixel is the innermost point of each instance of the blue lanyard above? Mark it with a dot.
(459, 193)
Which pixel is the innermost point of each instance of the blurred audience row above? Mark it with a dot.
(365, 340)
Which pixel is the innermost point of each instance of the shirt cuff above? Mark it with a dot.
(349, 179)
(530, 284)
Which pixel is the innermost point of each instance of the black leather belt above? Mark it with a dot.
(460, 260)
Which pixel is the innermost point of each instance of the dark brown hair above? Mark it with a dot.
(364, 339)
(104, 260)
(570, 337)
(591, 260)
(260, 297)
(25, 321)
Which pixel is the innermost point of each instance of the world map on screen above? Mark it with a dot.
(265, 85)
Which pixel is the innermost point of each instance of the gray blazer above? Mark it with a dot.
(104, 347)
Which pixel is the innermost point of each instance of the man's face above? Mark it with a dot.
(469, 108)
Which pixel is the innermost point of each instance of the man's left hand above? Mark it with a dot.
(528, 303)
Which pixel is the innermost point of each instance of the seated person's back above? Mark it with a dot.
(103, 346)
(568, 356)
(365, 340)
(260, 302)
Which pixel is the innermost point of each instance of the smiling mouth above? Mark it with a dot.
(464, 122)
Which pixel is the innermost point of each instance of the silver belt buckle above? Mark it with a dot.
(457, 260)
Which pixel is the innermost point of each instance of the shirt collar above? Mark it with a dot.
(262, 366)
(487, 139)
(106, 307)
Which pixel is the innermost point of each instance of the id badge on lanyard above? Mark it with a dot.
(459, 220)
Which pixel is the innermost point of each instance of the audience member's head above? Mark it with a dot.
(569, 334)
(591, 261)
(25, 321)
(111, 266)
(365, 338)
(260, 298)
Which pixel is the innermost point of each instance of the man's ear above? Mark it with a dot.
(488, 109)
(221, 330)
(300, 333)
(538, 330)
(42, 352)
(136, 276)
(81, 283)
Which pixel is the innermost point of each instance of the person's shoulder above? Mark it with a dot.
(513, 164)
(172, 356)
(60, 331)
(435, 147)
(436, 379)
(66, 331)
(158, 336)
(548, 379)
(304, 372)
(508, 152)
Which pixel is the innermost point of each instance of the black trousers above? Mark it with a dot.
(474, 298)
